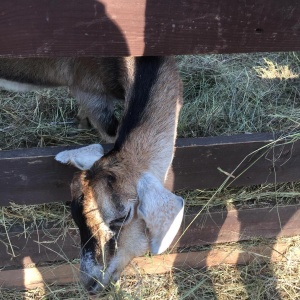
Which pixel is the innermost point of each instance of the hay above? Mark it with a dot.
(29, 216)
(223, 95)
(39, 119)
(229, 94)
(17, 214)
(243, 197)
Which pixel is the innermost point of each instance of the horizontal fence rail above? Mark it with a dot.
(147, 27)
(33, 277)
(32, 176)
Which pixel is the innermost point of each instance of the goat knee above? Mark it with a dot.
(98, 110)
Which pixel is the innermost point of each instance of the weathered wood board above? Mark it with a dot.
(147, 27)
(31, 176)
(28, 278)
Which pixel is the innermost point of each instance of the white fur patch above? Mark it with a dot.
(17, 86)
(161, 210)
(82, 158)
(90, 272)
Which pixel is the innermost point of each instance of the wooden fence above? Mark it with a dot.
(115, 28)
(147, 27)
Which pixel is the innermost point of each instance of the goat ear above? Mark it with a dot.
(161, 210)
(82, 158)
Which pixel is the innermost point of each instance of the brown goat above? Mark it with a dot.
(119, 202)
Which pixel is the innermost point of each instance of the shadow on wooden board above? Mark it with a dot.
(121, 28)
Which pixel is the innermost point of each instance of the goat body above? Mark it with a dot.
(94, 82)
(119, 202)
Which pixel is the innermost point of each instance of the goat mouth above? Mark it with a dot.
(96, 287)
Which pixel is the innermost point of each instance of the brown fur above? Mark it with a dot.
(114, 201)
(112, 180)
(95, 82)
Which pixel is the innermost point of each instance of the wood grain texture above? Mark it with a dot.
(197, 230)
(40, 245)
(147, 27)
(67, 273)
(32, 176)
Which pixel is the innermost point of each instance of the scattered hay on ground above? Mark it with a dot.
(39, 119)
(58, 213)
(241, 93)
(223, 95)
(270, 195)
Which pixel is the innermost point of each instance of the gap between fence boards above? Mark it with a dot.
(53, 244)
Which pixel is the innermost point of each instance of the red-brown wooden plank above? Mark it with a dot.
(239, 225)
(31, 176)
(41, 245)
(147, 27)
(208, 228)
(67, 273)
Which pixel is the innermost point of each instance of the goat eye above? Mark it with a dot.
(121, 221)
(80, 198)
(110, 180)
(118, 221)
